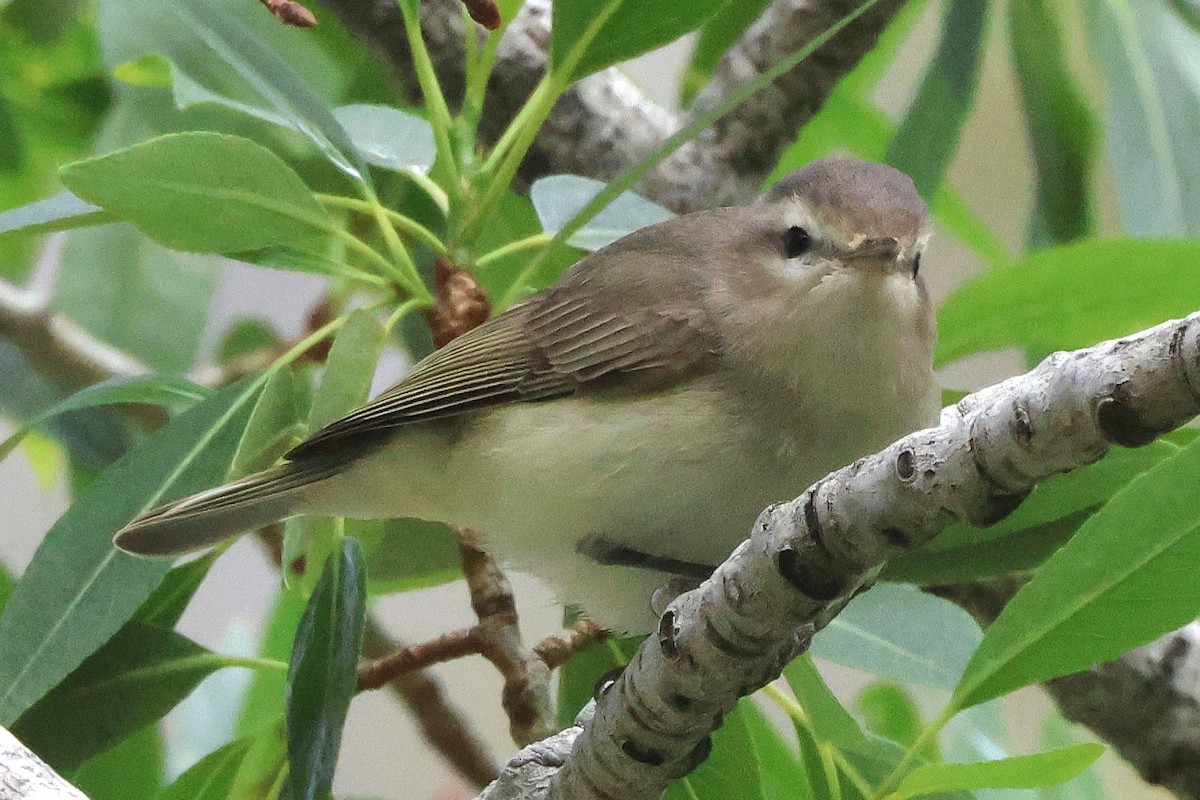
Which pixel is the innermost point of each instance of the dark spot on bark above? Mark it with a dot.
(643, 755)
(805, 578)
(906, 465)
(666, 636)
(1120, 423)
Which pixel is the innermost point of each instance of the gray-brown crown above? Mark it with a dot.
(857, 197)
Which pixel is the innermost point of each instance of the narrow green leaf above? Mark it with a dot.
(1149, 58)
(1018, 772)
(1039, 526)
(212, 777)
(172, 393)
(635, 28)
(716, 36)
(132, 769)
(1037, 304)
(558, 198)
(58, 213)
(263, 701)
(244, 337)
(170, 599)
(874, 761)
(900, 632)
(348, 370)
(258, 774)
(274, 425)
(830, 720)
(144, 299)
(322, 677)
(888, 710)
(274, 79)
(406, 554)
(732, 771)
(1119, 583)
(6, 586)
(1062, 131)
(134, 679)
(79, 589)
(202, 192)
(1088, 785)
(926, 141)
(577, 678)
(388, 137)
(781, 772)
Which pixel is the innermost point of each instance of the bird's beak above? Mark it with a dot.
(882, 252)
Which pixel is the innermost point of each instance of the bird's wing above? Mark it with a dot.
(585, 332)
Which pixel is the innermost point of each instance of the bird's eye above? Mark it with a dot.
(916, 264)
(796, 242)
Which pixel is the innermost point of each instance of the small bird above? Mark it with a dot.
(625, 426)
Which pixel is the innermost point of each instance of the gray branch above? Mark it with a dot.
(604, 124)
(806, 558)
(24, 776)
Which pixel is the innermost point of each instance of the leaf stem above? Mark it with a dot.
(528, 243)
(406, 224)
(928, 735)
(532, 272)
(402, 310)
(501, 165)
(439, 113)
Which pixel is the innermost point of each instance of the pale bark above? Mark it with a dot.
(24, 776)
(806, 558)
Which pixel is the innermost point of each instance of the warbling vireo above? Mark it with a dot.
(628, 423)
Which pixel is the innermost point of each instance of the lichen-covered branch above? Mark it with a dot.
(24, 776)
(806, 558)
(604, 124)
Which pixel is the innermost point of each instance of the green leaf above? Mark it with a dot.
(1018, 772)
(875, 759)
(138, 296)
(633, 29)
(1037, 303)
(889, 711)
(926, 141)
(830, 720)
(170, 599)
(557, 199)
(6, 586)
(275, 423)
(172, 393)
(58, 213)
(348, 370)
(781, 773)
(244, 337)
(732, 771)
(212, 777)
(577, 678)
(287, 93)
(79, 590)
(1088, 785)
(406, 554)
(1039, 526)
(716, 36)
(1062, 131)
(1119, 583)
(202, 192)
(132, 769)
(322, 678)
(1149, 58)
(388, 137)
(134, 679)
(900, 632)
(263, 701)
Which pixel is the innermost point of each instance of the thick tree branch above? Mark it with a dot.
(806, 558)
(604, 124)
(24, 776)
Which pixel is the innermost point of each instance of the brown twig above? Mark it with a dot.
(557, 648)
(289, 12)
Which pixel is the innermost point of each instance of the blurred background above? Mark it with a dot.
(383, 755)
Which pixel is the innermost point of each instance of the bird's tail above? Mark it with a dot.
(203, 519)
